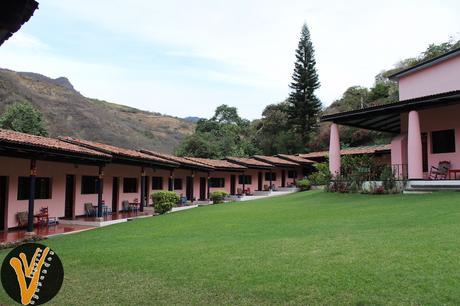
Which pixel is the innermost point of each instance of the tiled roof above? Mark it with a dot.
(180, 160)
(351, 151)
(7, 136)
(296, 159)
(118, 151)
(249, 162)
(275, 160)
(219, 164)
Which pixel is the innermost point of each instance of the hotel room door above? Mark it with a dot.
(189, 188)
(69, 196)
(115, 192)
(232, 184)
(202, 188)
(3, 200)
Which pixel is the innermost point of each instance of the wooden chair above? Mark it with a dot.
(239, 191)
(90, 210)
(125, 206)
(43, 217)
(22, 218)
(440, 172)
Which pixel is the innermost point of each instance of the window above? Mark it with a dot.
(217, 182)
(443, 141)
(130, 185)
(292, 174)
(177, 184)
(89, 184)
(267, 176)
(42, 188)
(157, 183)
(245, 179)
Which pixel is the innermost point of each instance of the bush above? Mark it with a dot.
(164, 201)
(218, 196)
(303, 184)
(322, 176)
(388, 179)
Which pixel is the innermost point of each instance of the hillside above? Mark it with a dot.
(69, 113)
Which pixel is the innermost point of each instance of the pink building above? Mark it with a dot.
(74, 177)
(424, 122)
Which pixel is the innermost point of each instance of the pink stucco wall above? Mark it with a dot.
(443, 77)
(436, 119)
(15, 167)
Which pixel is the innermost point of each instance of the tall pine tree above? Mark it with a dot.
(304, 106)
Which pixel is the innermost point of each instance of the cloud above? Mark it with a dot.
(238, 52)
(22, 40)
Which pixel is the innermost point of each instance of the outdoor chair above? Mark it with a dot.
(22, 218)
(239, 191)
(90, 210)
(440, 172)
(125, 206)
(43, 218)
(248, 192)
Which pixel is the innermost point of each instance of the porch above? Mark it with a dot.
(106, 220)
(16, 234)
(426, 135)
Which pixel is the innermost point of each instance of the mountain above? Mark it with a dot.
(192, 119)
(69, 113)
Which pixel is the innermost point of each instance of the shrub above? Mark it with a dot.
(322, 176)
(388, 179)
(164, 201)
(218, 196)
(303, 184)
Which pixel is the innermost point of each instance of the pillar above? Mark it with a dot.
(32, 179)
(244, 182)
(209, 188)
(171, 181)
(142, 204)
(414, 147)
(100, 183)
(334, 151)
(271, 180)
(192, 188)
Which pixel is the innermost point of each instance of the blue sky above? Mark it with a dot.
(184, 58)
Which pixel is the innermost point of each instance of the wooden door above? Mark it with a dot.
(202, 188)
(69, 197)
(233, 184)
(3, 202)
(115, 194)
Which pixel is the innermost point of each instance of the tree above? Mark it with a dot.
(304, 105)
(23, 117)
(225, 134)
(273, 133)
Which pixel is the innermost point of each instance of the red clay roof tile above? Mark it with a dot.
(219, 164)
(180, 160)
(296, 159)
(47, 143)
(118, 151)
(276, 161)
(249, 162)
(351, 151)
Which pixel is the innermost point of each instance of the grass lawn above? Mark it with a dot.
(305, 248)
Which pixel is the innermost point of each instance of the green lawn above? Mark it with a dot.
(305, 248)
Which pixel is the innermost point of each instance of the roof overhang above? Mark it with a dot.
(386, 118)
(13, 14)
(33, 152)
